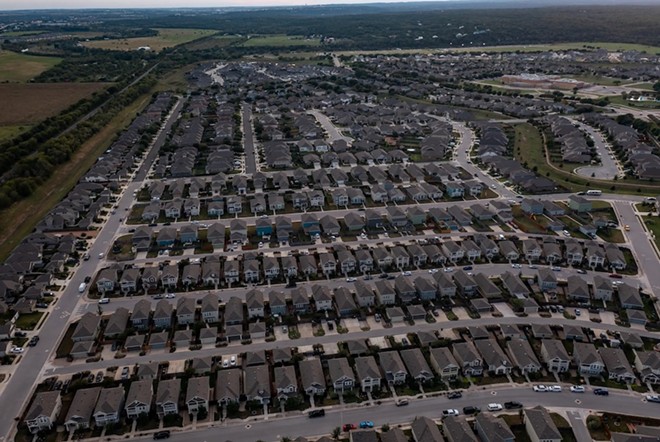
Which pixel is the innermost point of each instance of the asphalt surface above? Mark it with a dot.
(248, 140)
(387, 413)
(330, 129)
(609, 167)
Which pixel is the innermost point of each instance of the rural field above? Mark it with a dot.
(217, 41)
(9, 132)
(166, 38)
(21, 67)
(33, 102)
(280, 40)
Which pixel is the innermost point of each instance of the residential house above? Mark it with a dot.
(577, 289)
(341, 375)
(185, 310)
(444, 363)
(167, 397)
(286, 383)
(254, 299)
(140, 314)
(43, 411)
(393, 369)
(425, 429)
(312, 377)
(385, 292)
(457, 429)
(109, 406)
(491, 428)
(197, 394)
(587, 359)
(277, 302)
(88, 328)
(495, 360)
(162, 317)
(209, 308)
(257, 383)
(368, 374)
(555, 356)
(617, 365)
(523, 356)
(364, 294)
(81, 409)
(468, 358)
(416, 364)
(647, 364)
(603, 288)
(138, 401)
(540, 426)
(228, 386)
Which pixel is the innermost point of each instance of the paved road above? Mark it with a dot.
(579, 425)
(19, 389)
(609, 167)
(329, 127)
(248, 140)
(300, 425)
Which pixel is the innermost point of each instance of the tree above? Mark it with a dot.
(336, 432)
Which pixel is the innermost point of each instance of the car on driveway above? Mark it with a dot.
(17, 350)
(577, 388)
(540, 388)
(454, 395)
(510, 405)
(494, 407)
(450, 412)
(366, 424)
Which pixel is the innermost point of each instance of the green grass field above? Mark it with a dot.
(280, 41)
(166, 38)
(617, 99)
(9, 132)
(21, 67)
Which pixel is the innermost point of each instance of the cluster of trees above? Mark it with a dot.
(32, 170)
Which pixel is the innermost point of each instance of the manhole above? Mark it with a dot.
(248, 426)
(493, 393)
(578, 401)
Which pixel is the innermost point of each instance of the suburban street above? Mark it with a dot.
(248, 140)
(609, 167)
(15, 394)
(300, 425)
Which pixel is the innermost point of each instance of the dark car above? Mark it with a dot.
(512, 404)
(162, 434)
(317, 413)
(467, 268)
(454, 395)
(383, 275)
(471, 410)
(87, 279)
(615, 276)
(20, 334)
(601, 391)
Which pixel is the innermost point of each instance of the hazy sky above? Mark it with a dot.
(78, 4)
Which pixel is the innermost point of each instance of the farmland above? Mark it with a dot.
(20, 67)
(33, 102)
(280, 41)
(166, 38)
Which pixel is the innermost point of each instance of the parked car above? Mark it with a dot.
(366, 424)
(540, 388)
(495, 407)
(466, 268)
(348, 427)
(471, 410)
(402, 402)
(582, 271)
(450, 412)
(317, 413)
(577, 388)
(615, 276)
(454, 395)
(165, 434)
(88, 278)
(653, 398)
(510, 405)
(554, 388)
(17, 350)
(124, 373)
(601, 391)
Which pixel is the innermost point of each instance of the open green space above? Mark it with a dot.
(618, 99)
(653, 224)
(530, 151)
(18, 220)
(9, 132)
(166, 38)
(22, 67)
(280, 41)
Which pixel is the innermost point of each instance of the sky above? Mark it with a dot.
(84, 4)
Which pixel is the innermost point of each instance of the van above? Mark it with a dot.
(82, 287)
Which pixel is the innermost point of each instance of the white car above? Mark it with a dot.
(540, 388)
(449, 269)
(652, 398)
(516, 266)
(407, 273)
(554, 388)
(351, 279)
(17, 350)
(232, 361)
(577, 388)
(495, 407)
(433, 271)
(104, 301)
(225, 363)
(169, 295)
(450, 412)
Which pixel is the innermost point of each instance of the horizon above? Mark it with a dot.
(47, 5)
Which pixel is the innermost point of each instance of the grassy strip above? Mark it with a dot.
(530, 150)
(653, 224)
(19, 220)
